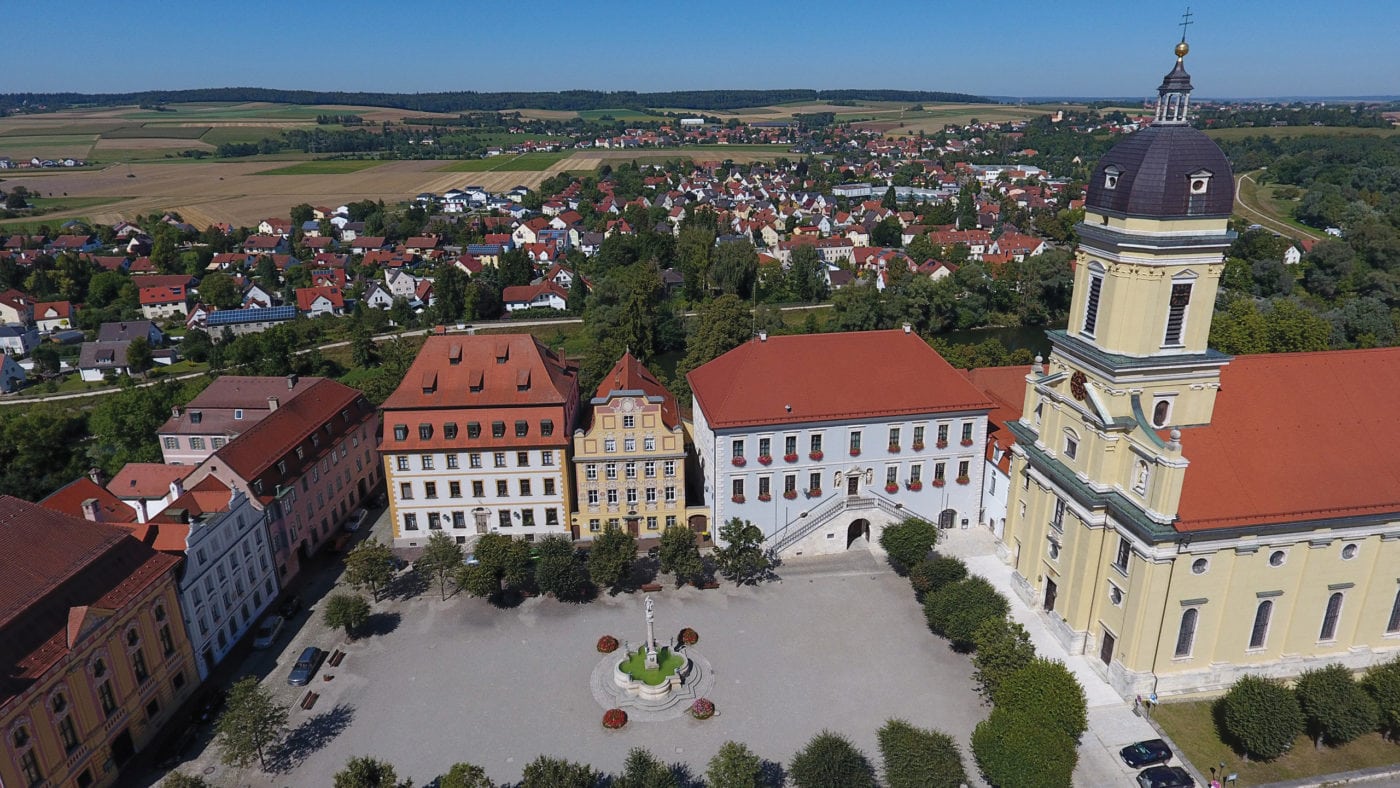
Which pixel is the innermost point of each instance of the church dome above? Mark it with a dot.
(1168, 170)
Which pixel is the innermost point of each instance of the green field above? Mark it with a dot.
(623, 115)
(323, 167)
(199, 112)
(1281, 132)
(1191, 726)
(31, 226)
(525, 162)
(84, 128)
(218, 135)
(155, 131)
(54, 204)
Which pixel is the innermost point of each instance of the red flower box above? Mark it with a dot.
(964, 480)
(918, 446)
(765, 459)
(916, 486)
(942, 444)
(894, 448)
(607, 644)
(739, 462)
(892, 488)
(789, 494)
(815, 492)
(702, 709)
(614, 718)
(939, 482)
(689, 636)
(765, 497)
(737, 499)
(816, 456)
(967, 442)
(855, 452)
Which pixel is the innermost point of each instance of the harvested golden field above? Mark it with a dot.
(150, 143)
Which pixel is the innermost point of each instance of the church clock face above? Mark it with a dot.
(1077, 387)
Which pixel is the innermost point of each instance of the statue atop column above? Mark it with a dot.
(651, 633)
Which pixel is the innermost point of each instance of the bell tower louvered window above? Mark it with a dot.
(1176, 312)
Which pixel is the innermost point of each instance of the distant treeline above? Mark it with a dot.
(459, 101)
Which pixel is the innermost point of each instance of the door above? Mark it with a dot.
(1106, 650)
(1050, 591)
(122, 747)
(856, 531)
(633, 526)
(853, 484)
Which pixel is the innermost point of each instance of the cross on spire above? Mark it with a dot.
(1185, 22)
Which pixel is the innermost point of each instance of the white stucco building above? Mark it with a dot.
(824, 439)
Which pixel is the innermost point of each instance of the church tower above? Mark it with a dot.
(1098, 464)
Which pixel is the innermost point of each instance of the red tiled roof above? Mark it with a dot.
(262, 242)
(1006, 386)
(151, 296)
(69, 498)
(554, 381)
(306, 296)
(629, 374)
(830, 377)
(1294, 437)
(524, 294)
(146, 479)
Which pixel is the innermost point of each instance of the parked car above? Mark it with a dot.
(356, 520)
(1165, 777)
(290, 607)
(268, 631)
(306, 666)
(1146, 753)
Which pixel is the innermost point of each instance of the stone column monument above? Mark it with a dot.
(651, 635)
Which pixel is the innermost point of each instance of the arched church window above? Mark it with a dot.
(1161, 412)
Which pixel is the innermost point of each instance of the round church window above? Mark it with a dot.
(1349, 552)
(1276, 558)
(1199, 566)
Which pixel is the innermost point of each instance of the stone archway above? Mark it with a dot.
(857, 530)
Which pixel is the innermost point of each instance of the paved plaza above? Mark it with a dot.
(838, 643)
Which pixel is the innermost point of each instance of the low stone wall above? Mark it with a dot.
(651, 692)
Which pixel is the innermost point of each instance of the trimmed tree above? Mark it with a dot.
(909, 542)
(1382, 682)
(362, 771)
(1261, 716)
(465, 775)
(610, 557)
(741, 558)
(251, 721)
(1012, 749)
(370, 565)
(933, 573)
(1336, 709)
(830, 761)
(1002, 648)
(441, 559)
(956, 611)
(680, 555)
(734, 766)
(547, 772)
(1046, 692)
(644, 770)
(502, 563)
(918, 758)
(346, 611)
(558, 570)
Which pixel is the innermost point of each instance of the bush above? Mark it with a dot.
(931, 574)
(1003, 647)
(1382, 682)
(614, 718)
(607, 644)
(702, 709)
(465, 775)
(1336, 709)
(643, 770)
(366, 772)
(909, 542)
(956, 611)
(611, 556)
(917, 758)
(546, 772)
(1015, 750)
(830, 761)
(1261, 716)
(558, 571)
(734, 766)
(1046, 692)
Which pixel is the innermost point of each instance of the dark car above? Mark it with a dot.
(1165, 777)
(1146, 753)
(306, 666)
(290, 607)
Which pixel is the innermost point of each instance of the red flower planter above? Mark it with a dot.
(967, 443)
(790, 494)
(855, 452)
(790, 458)
(614, 718)
(964, 480)
(737, 499)
(607, 644)
(939, 482)
(894, 448)
(689, 636)
(765, 497)
(764, 459)
(702, 709)
(942, 444)
(916, 486)
(739, 462)
(918, 446)
(816, 456)
(815, 493)
(892, 488)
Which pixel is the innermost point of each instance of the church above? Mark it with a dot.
(1181, 515)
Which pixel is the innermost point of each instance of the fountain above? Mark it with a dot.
(651, 674)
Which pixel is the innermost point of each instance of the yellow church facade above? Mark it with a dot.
(1184, 516)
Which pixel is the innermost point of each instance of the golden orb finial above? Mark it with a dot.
(1182, 49)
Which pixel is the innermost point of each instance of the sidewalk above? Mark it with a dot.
(1112, 723)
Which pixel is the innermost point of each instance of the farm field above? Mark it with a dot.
(1282, 132)
(324, 167)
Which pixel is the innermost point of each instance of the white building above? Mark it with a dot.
(1006, 388)
(822, 440)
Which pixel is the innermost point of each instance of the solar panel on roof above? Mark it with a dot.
(231, 316)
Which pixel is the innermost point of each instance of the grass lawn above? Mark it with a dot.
(324, 167)
(72, 203)
(1191, 726)
(31, 226)
(1280, 132)
(615, 114)
(156, 131)
(1264, 199)
(666, 662)
(218, 135)
(524, 162)
(475, 165)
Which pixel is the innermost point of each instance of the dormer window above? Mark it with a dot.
(1200, 181)
(1110, 177)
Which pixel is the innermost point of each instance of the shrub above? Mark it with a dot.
(607, 644)
(702, 709)
(934, 573)
(1046, 692)
(908, 542)
(611, 556)
(1012, 749)
(1383, 683)
(830, 761)
(366, 772)
(1003, 647)
(1336, 709)
(734, 766)
(689, 636)
(643, 770)
(956, 611)
(614, 718)
(465, 775)
(1261, 716)
(546, 772)
(918, 758)
(558, 570)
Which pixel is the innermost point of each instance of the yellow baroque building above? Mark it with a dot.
(1184, 516)
(629, 458)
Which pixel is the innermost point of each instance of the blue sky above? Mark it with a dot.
(1011, 48)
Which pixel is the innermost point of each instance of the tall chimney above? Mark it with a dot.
(90, 510)
(908, 328)
(272, 403)
(95, 473)
(762, 336)
(292, 381)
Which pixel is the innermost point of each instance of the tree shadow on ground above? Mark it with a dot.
(771, 774)
(380, 624)
(405, 585)
(507, 599)
(309, 737)
(642, 572)
(685, 778)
